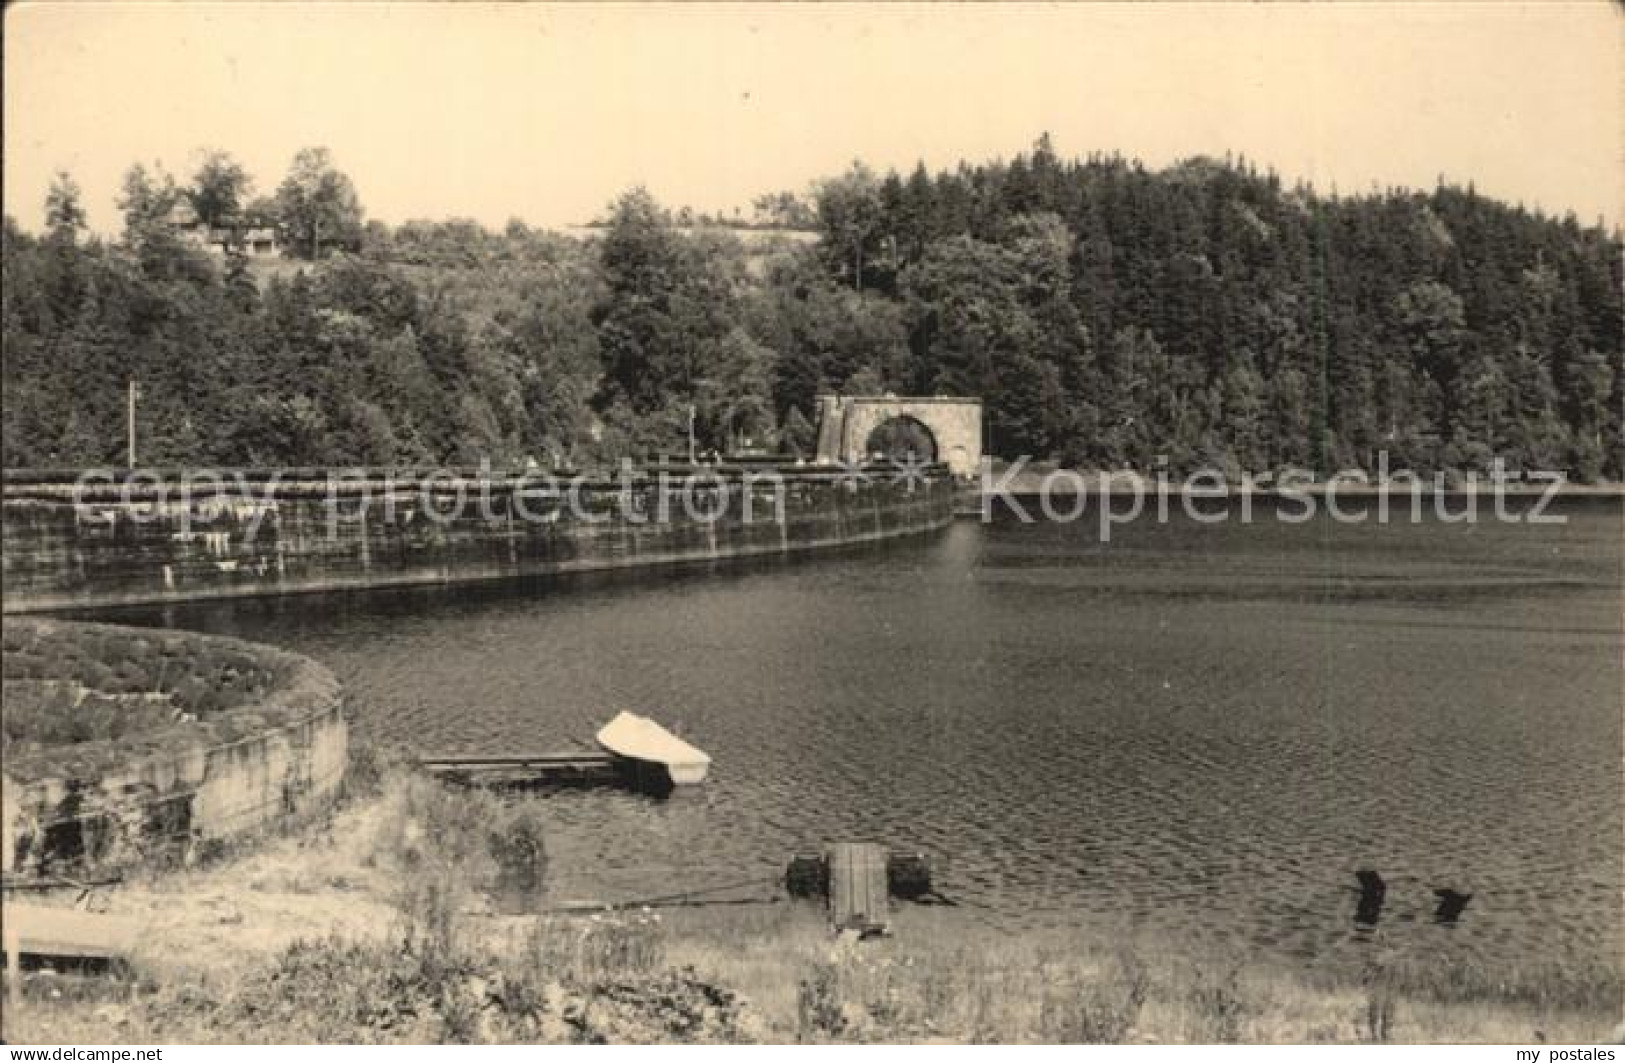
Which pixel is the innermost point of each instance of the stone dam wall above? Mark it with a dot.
(124, 746)
(68, 546)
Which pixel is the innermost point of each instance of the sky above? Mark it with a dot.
(546, 113)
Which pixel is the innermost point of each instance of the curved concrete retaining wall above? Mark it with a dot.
(67, 548)
(182, 740)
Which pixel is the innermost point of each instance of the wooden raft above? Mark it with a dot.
(583, 768)
(857, 887)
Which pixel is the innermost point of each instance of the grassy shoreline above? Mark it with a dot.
(377, 925)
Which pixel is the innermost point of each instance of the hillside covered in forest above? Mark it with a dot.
(1108, 315)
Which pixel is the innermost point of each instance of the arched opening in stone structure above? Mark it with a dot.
(901, 439)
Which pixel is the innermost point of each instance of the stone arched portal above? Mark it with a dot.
(847, 423)
(902, 439)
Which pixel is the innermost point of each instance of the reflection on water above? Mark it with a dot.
(1207, 729)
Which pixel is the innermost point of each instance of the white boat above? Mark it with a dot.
(638, 738)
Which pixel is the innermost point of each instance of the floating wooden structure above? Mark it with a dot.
(636, 752)
(908, 876)
(857, 879)
(584, 768)
(857, 887)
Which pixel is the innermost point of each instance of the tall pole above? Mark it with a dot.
(693, 454)
(132, 392)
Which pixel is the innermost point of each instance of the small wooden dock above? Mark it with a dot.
(633, 751)
(856, 881)
(577, 768)
(858, 887)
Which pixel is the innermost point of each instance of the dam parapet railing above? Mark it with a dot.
(97, 538)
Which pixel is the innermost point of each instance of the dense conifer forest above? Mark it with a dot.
(1108, 314)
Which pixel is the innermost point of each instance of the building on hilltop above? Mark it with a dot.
(252, 235)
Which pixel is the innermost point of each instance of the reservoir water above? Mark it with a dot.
(1203, 729)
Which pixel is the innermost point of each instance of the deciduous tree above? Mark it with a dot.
(317, 206)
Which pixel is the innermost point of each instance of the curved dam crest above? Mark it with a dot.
(132, 744)
(73, 547)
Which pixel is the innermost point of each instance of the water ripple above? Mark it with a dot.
(1198, 728)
